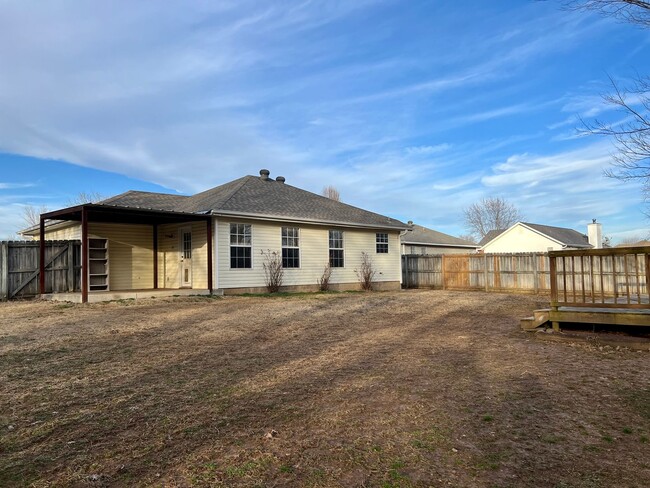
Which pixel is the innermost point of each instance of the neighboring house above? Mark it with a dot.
(213, 241)
(420, 240)
(643, 243)
(527, 237)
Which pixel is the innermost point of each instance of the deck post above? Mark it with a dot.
(41, 257)
(553, 271)
(84, 255)
(155, 256)
(210, 237)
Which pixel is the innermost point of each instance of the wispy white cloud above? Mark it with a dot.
(12, 186)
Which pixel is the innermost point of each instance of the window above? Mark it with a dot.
(240, 246)
(336, 248)
(382, 243)
(290, 247)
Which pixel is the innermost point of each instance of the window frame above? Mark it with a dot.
(286, 246)
(381, 243)
(231, 246)
(341, 249)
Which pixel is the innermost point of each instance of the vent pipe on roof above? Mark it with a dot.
(595, 234)
(280, 179)
(264, 174)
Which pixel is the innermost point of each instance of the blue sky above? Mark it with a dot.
(411, 109)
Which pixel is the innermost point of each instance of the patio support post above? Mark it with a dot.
(84, 255)
(41, 258)
(210, 237)
(155, 256)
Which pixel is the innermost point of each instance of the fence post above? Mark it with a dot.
(70, 273)
(553, 271)
(444, 279)
(485, 271)
(4, 270)
(535, 276)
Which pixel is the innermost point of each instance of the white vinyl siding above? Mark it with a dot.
(314, 255)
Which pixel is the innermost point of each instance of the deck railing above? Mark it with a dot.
(601, 278)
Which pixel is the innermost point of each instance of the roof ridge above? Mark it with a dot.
(245, 180)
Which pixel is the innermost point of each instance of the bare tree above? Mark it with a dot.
(273, 270)
(634, 11)
(332, 193)
(491, 213)
(468, 238)
(631, 138)
(86, 197)
(366, 272)
(32, 215)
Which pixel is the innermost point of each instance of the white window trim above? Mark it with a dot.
(230, 246)
(387, 242)
(337, 248)
(288, 247)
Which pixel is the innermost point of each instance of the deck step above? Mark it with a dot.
(539, 318)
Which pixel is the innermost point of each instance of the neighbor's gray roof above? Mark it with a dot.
(569, 237)
(253, 196)
(491, 235)
(423, 235)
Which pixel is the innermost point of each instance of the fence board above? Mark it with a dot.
(19, 267)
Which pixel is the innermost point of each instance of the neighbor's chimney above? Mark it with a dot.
(595, 234)
(264, 174)
(280, 179)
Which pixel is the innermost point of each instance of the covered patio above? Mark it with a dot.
(131, 252)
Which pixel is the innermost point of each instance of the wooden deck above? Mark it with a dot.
(597, 286)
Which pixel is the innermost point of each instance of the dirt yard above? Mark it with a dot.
(399, 389)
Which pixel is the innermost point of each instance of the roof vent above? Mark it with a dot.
(280, 179)
(264, 174)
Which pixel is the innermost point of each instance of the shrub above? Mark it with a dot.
(324, 280)
(273, 270)
(365, 273)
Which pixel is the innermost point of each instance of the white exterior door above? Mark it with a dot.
(186, 257)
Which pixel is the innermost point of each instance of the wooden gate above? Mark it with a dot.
(19, 268)
(456, 271)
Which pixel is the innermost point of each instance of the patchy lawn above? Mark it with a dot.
(400, 389)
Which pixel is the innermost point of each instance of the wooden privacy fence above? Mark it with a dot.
(519, 272)
(19, 268)
(601, 278)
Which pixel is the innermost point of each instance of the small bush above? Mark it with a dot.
(365, 273)
(273, 270)
(324, 280)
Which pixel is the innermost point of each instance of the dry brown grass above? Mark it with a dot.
(417, 388)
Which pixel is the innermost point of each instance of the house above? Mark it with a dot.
(421, 240)
(213, 242)
(528, 237)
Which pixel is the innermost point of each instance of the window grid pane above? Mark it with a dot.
(336, 249)
(240, 246)
(382, 243)
(290, 247)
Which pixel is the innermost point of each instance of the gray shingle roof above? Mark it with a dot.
(569, 237)
(491, 235)
(251, 195)
(145, 199)
(423, 235)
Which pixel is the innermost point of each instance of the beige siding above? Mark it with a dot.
(130, 254)
(169, 257)
(73, 231)
(314, 255)
(521, 239)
